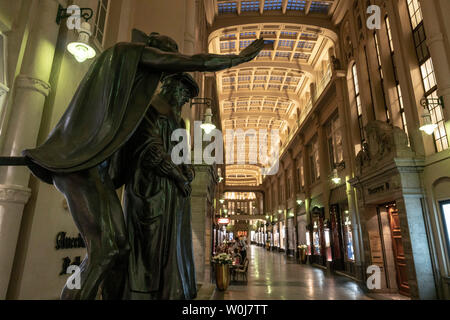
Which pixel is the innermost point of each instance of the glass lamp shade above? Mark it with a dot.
(208, 126)
(428, 126)
(81, 49)
(335, 178)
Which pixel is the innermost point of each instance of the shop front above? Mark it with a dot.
(390, 202)
(291, 236)
(282, 236)
(341, 240)
(317, 237)
(276, 237)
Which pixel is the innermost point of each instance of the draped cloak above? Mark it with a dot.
(106, 109)
(161, 264)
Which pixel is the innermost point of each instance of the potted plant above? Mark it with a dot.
(302, 249)
(222, 264)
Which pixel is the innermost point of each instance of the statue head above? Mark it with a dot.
(179, 88)
(155, 40)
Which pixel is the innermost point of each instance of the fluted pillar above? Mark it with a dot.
(31, 88)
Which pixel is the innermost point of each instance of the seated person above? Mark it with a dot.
(237, 258)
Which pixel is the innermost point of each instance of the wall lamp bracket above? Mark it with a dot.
(85, 13)
(432, 102)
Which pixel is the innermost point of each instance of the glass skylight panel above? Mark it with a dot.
(319, 7)
(276, 78)
(230, 45)
(227, 7)
(296, 5)
(288, 34)
(305, 45)
(309, 35)
(244, 78)
(244, 43)
(283, 55)
(272, 5)
(248, 35)
(265, 54)
(249, 6)
(286, 43)
(300, 55)
(228, 79)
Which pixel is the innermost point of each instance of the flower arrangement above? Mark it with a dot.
(303, 246)
(222, 258)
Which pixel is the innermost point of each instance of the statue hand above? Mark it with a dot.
(188, 172)
(252, 50)
(184, 187)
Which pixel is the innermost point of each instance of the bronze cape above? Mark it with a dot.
(107, 108)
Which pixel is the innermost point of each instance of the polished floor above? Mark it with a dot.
(273, 276)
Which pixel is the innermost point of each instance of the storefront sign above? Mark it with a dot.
(382, 188)
(224, 221)
(64, 242)
(67, 263)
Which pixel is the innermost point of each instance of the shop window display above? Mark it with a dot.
(316, 239)
(308, 243)
(328, 244)
(348, 236)
(445, 209)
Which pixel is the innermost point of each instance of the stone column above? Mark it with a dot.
(30, 91)
(415, 243)
(202, 215)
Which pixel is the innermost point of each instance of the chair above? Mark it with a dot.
(243, 270)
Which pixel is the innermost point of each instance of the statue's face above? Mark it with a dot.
(181, 94)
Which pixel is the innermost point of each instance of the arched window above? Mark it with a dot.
(358, 103)
(101, 21)
(3, 83)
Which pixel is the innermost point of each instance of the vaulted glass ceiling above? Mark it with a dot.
(273, 91)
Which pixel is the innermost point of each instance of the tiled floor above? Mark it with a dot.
(273, 276)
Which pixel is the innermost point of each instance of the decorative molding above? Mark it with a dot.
(27, 82)
(3, 89)
(14, 194)
(384, 143)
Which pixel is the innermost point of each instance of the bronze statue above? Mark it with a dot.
(156, 200)
(108, 107)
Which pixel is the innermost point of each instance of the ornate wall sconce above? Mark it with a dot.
(208, 126)
(427, 123)
(80, 49)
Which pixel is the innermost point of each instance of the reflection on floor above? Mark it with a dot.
(273, 276)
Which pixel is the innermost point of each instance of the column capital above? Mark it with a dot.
(14, 194)
(31, 83)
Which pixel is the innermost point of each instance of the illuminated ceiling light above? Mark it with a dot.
(221, 201)
(428, 126)
(81, 49)
(299, 202)
(280, 211)
(335, 178)
(208, 126)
